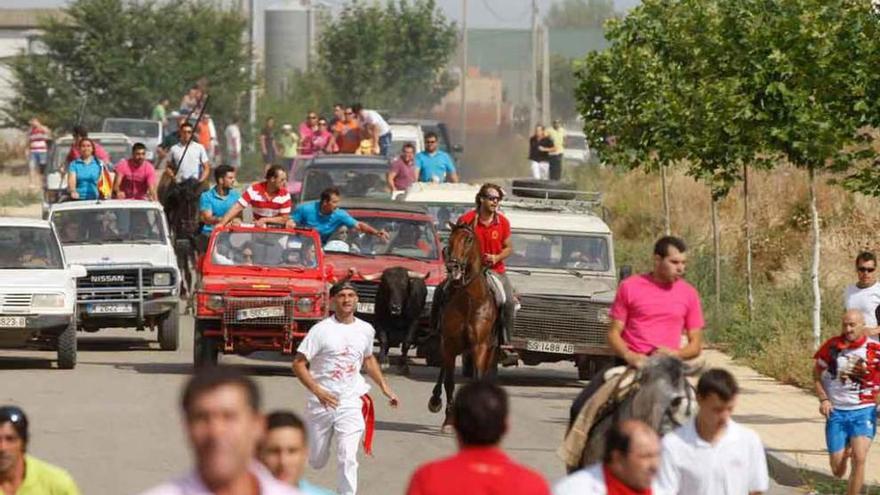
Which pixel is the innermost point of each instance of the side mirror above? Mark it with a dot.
(77, 271)
(458, 149)
(625, 271)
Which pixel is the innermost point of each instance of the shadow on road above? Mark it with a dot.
(187, 368)
(418, 429)
(27, 363)
(111, 344)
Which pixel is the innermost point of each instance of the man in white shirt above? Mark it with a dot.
(711, 454)
(864, 295)
(379, 129)
(194, 163)
(629, 464)
(328, 363)
(232, 134)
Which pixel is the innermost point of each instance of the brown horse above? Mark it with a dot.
(467, 319)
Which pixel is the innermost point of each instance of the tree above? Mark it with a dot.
(120, 57)
(393, 57)
(580, 13)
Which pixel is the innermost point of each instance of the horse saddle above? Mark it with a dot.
(496, 287)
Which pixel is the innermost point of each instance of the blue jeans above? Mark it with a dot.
(845, 424)
(385, 144)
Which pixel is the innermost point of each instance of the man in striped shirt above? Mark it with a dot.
(269, 200)
(38, 135)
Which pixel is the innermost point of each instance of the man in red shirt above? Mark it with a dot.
(480, 418)
(493, 231)
(135, 176)
(269, 200)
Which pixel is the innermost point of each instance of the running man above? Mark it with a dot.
(328, 363)
(846, 377)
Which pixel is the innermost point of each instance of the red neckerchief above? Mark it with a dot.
(617, 487)
(369, 413)
(842, 343)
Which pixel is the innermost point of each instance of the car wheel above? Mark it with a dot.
(534, 188)
(67, 347)
(169, 332)
(205, 351)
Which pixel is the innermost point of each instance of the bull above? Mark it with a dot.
(400, 301)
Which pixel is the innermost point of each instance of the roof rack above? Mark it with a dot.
(582, 201)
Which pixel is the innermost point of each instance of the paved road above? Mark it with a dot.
(114, 422)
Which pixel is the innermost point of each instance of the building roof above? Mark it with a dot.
(27, 18)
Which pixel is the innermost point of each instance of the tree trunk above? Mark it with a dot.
(747, 219)
(716, 242)
(667, 230)
(814, 271)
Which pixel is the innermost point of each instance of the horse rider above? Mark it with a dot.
(189, 159)
(649, 314)
(269, 200)
(493, 231)
(326, 216)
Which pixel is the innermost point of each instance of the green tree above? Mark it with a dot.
(120, 57)
(562, 85)
(580, 13)
(392, 57)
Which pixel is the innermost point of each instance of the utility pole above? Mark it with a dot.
(533, 89)
(464, 70)
(252, 111)
(545, 75)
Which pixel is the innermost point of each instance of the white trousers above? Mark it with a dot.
(346, 423)
(540, 170)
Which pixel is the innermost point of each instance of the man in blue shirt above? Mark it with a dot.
(433, 164)
(215, 202)
(326, 216)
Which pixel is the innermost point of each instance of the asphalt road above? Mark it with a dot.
(113, 422)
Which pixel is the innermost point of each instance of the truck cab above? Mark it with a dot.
(132, 277)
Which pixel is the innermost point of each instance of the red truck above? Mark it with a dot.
(260, 289)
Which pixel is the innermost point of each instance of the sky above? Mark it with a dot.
(481, 13)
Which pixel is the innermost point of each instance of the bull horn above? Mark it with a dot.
(372, 277)
(413, 274)
(694, 366)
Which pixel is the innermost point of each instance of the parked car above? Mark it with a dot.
(575, 149)
(144, 131)
(37, 290)
(431, 125)
(369, 255)
(133, 280)
(406, 133)
(357, 176)
(118, 146)
(563, 272)
(260, 289)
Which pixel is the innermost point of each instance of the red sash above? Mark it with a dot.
(370, 421)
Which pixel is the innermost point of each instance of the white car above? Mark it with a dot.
(37, 290)
(444, 201)
(148, 132)
(133, 279)
(406, 133)
(575, 147)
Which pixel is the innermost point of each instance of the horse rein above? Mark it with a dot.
(462, 265)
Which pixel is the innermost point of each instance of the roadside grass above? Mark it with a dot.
(19, 197)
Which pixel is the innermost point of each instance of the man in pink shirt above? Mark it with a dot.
(221, 409)
(135, 176)
(402, 172)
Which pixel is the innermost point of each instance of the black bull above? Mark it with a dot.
(400, 301)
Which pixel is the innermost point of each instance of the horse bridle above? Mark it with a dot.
(462, 265)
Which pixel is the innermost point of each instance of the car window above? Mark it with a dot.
(29, 248)
(267, 249)
(355, 182)
(110, 226)
(532, 250)
(133, 128)
(408, 238)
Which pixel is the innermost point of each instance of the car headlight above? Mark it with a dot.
(162, 278)
(305, 304)
(603, 315)
(53, 301)
(430, 297)
(214, 302)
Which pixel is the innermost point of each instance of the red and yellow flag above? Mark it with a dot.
(105, 184)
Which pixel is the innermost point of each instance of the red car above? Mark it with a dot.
(260, 289)
(414, 244)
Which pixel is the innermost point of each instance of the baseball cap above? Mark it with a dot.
(341, 286)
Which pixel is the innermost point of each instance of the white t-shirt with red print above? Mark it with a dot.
(336, 353)
(850, 371)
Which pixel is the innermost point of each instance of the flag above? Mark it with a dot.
(105, 184)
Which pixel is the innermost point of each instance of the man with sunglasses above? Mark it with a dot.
(189, 159)
(21, 473)
(493, 231)
(306, 129)
(864, 295)
(434, 164)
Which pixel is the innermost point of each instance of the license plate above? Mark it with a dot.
(111, 308)
(366, 307)
(12, 321)
(554, 347)
(253, 313)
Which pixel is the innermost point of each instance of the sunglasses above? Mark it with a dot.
(865, 269)
(431, 141)
(492, 198)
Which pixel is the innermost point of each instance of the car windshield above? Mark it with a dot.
(29, 248)
(578, 252)
(355, 181)
(397, 146)
(133, 128)
(110, 226)
(408, 238)
(116, 149)
(575, 142)
(445, 213)
(265, 249)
